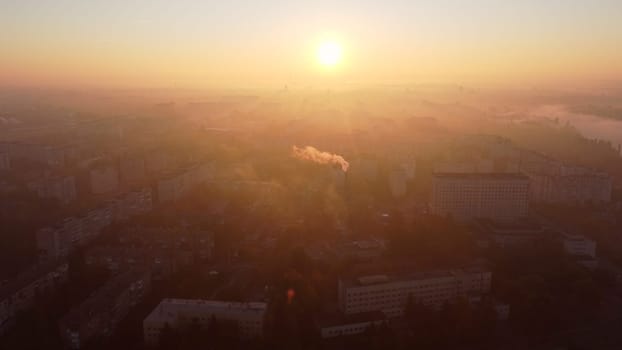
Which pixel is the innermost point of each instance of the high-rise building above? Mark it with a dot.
(495, 196)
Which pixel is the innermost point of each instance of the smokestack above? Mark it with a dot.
(314, 155)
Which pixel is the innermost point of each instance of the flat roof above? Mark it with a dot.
(339, 319)
(490, 176)
(168, 308)
(369, 280)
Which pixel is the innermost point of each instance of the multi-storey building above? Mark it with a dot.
(57, 241)
(495, 196)
(20, 293)
(176, 313)
(5, 160)
(391, 294)
(62, 188)
(162, 262)
(50, 155)
(104, 180)
(99, 315)
(132, 204)
(571, 188)
(173, 187)
(579, 245)
(132, 169)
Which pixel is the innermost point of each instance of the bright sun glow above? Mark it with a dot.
(329, 53)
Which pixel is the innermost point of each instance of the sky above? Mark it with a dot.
(209, 43)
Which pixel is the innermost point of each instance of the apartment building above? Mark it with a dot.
(578, 245)
(62, 188)
(176, 313)
(58, 240)
(391, 293)
(99, 315)
(104, 179)
(495, 196)
(20, 293)
(5, 160)
(175, 186)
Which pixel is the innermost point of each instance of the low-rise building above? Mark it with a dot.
(344, 325)
(391, 293)
(178, 313)
(20, 293)
(99, 315)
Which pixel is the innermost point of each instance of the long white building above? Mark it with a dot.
(249, 317)
(496, 196)
(391, 294)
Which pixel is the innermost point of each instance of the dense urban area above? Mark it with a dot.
(430, 217)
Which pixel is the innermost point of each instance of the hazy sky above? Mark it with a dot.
(202, 43)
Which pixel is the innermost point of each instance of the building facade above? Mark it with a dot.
(62, 188)
(499, 196)
(20, 293)
(176, 313)
(99, 315)
(579, 245)
(391, 294)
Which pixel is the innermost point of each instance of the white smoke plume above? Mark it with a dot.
(314, 155)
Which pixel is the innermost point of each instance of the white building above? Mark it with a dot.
(391, 294)
(495, 196)
(579, 245)
(249, 317)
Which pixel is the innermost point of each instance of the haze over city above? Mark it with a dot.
(310, 175)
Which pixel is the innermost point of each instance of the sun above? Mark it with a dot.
(329, 53)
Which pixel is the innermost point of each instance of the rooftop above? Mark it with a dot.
(168, 308)
(398, 277)
(338, 319)
(483, 176)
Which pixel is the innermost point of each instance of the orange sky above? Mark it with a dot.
(272, 43)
